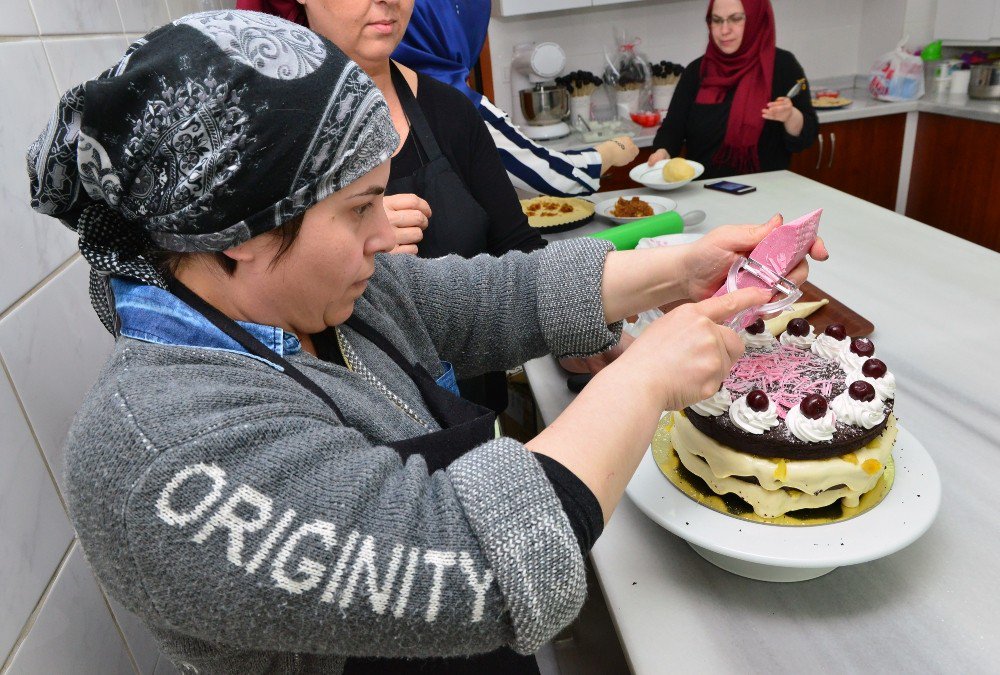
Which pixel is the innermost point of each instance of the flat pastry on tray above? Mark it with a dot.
(549, 212)
(831, 102)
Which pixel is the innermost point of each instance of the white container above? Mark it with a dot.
(579, 108)
(662, 93)
(959, 85)
(628, 102)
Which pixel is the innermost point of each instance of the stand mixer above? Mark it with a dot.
(540, 106)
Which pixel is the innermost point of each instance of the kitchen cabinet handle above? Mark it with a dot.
(833, 148)
(819, 160)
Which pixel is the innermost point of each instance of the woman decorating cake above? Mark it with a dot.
(273, 470)
(730, 111)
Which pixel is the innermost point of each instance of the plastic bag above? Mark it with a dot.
(897, 76)
(634, 80)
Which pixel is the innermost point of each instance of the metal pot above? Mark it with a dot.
(984, 81)
(544, 104)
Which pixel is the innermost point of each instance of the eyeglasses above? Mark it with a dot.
(733, 20)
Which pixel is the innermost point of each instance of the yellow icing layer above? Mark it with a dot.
(813, 483)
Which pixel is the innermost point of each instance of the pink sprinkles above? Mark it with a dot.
(786, 374)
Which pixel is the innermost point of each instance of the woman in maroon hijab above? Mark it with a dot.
(729, 110)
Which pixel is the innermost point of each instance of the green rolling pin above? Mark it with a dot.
(625, 237)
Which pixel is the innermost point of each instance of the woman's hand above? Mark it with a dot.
(657, 156)
(782, 110)
(686, 353)
(680, 359)
(409, 214)
(616, 152)
(597, 362)
(708, 260)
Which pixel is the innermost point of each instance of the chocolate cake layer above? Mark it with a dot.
(780, 443)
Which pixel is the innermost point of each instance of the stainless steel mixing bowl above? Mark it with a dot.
(544, 104)
(984, 81)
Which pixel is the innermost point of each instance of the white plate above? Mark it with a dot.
(652, 176)
(787, 553)
(659, 205)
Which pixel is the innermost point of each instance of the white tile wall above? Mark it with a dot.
(73, 17)
(53, 616)
(919, 21)
(16, 18)
(178, 8)
(54, 346)
(881, 30)
(829, 39)
(142, 16)
(73, 632)
(34, 245)
(920, 11)
(34, 528)
(75, 60)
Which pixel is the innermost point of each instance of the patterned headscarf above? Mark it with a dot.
(211, 130)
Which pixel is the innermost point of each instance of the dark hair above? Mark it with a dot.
(169, 261)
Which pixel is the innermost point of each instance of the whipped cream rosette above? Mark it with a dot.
(714, 405)
(799, 333)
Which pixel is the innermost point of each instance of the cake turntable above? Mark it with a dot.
(767, 552)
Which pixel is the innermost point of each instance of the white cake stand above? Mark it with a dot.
(797, 553)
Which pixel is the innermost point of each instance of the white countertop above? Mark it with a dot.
(933, 607)
(863, 106)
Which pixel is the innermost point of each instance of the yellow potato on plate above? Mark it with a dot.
(676, 170)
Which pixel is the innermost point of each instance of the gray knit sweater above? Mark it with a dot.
(254, 532)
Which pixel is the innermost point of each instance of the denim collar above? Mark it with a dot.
(152, 314)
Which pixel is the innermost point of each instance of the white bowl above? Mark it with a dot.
(658, 204)
(652, 176)
(781, 553)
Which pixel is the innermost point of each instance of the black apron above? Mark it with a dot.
(464, 426)
(458, 224)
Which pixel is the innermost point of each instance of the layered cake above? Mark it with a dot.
(802, 421)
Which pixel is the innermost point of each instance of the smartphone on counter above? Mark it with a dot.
(730, 187)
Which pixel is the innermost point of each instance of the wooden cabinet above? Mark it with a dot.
(860, 157)
(955, 180)
(617, 177)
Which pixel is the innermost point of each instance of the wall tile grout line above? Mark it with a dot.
(41, 284)
(121, 17)
(57, 36)
(121, 633)
(31, 429)
(29, 624)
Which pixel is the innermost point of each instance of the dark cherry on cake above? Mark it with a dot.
(862, 346)
(814, 406)
(757, 400)
(756, 328)
(836, 330)
(873, 368)
(798, 327)
(861, 391)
